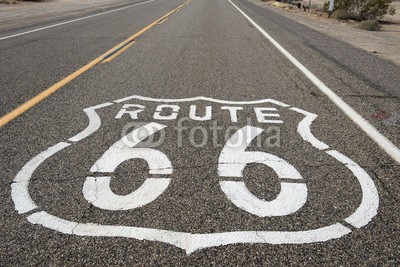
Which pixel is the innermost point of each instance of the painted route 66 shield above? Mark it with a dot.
(197, 173)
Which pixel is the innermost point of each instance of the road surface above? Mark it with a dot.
(216, 133)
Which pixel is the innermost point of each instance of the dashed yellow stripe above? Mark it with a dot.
(162, 21)
(118, 53)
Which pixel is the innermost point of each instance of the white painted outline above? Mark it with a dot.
(74, 20)
(201, 98)
(304, 129)
(364, 125)
(188, 241)
(370, 199)
(94, 122)
(19, 188)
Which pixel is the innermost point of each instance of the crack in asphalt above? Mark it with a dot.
(385, 188)
(68, 238)
(195, 167)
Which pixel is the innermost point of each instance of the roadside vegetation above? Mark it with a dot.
(369, 25)
(368, 13)
(362, 9)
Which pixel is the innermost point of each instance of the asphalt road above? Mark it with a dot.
(244, 161)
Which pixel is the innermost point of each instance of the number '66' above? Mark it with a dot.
(232, 162)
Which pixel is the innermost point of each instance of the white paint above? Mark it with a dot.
(207, 116)
(161, 108)
(291, 198)
(94, 122)
(97, 191)
(194, 241)
(127, 109)
(74, 20)
(157, 161)
(124, 150)
(202, 98)
(234, 159)
(232, 112)
(19, 188)
(188, 241)
(269, 237)
(52, 222)
(171, 112)
(373, 133)
(304, 129)
(370, 198)
(263, 117)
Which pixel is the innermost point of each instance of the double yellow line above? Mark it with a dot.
(106, 57)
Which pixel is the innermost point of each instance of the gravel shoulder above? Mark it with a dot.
(385, 43)
(30, 13)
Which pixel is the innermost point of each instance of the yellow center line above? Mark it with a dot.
(46, 93)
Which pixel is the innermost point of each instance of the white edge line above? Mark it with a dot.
(74, 20)
(370, 198)
(19, 188)
(198, 98)
(373, 133)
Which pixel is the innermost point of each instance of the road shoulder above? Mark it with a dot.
(384, 44)
(27, 14)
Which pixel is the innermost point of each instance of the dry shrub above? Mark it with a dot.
(369, 25)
